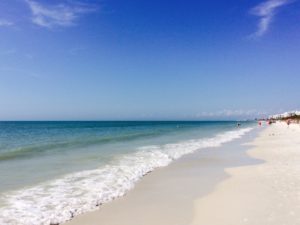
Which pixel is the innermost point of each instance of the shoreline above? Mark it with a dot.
(153, 199)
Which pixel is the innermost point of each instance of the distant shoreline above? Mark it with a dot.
(109, 121)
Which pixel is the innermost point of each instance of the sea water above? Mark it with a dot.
(53, 171)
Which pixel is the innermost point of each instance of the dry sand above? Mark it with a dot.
(217, 186)
(263, 194)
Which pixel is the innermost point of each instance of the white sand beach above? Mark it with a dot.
(267, 193)
(222, 186)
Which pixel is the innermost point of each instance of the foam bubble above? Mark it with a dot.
(60, 200)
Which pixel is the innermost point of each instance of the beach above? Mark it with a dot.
(268, 193)
(250, 181)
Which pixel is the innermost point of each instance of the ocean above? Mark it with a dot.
(53, 171)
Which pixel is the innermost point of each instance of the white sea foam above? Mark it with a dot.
(59, 200)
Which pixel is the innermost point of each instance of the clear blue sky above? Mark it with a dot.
(158, 59)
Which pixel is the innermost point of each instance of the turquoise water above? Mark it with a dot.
(85, 164)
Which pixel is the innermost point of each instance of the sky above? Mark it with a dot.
(148, 60)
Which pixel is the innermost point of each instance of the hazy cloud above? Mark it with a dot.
(229, 113)
(266, 12)
(5, 23)
(63, 14)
